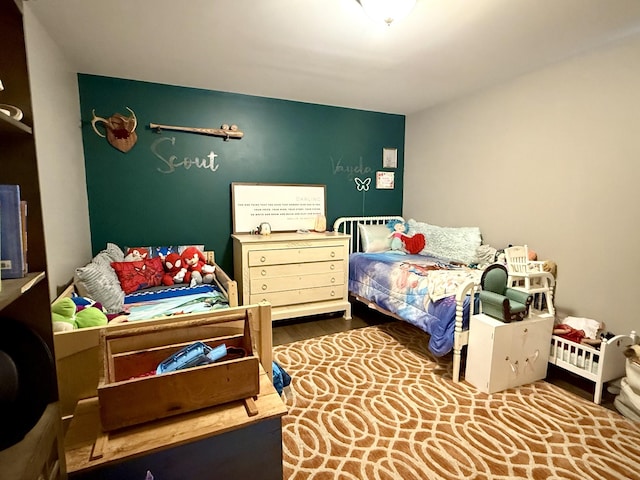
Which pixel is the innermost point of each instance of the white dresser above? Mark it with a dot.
(299, 274)
(505, 355)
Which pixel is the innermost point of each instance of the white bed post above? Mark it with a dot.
(460, 336)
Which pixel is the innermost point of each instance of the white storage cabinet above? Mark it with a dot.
(299, 274)
(505, 355)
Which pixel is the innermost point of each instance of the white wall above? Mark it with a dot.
(552, 160)
(56, 112)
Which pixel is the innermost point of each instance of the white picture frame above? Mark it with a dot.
(385, 180)
(389, 157)
(285, 207)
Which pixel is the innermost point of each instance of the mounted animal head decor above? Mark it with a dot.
(120, 130)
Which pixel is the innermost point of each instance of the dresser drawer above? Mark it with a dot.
(295, 282)
(269, 271)
(299, 274)
(293, 297)
(295, 255)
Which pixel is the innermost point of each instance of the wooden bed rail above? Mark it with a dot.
(76, 351)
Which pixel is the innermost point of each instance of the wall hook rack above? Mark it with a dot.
(225, 131)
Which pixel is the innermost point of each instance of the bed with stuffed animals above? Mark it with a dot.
(418, 273)
(119, 287)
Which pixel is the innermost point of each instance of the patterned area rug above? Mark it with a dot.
(373, 403)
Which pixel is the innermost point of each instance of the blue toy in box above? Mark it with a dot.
(281, 379)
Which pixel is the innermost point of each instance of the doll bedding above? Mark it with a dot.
(420, 289)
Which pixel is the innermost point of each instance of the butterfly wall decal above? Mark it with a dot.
(362, 185)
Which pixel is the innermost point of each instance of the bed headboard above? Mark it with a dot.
(349, 226)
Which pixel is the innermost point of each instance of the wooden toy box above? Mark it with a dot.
(129, 394)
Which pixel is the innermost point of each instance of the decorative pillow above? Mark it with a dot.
(182, 248)
(114, 252)
(100, 284)
(136, 254)
(103, 261)
(457, 244)
(139, 274)
(163, 251)
(374, 238)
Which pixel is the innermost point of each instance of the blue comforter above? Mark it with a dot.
(417, 288)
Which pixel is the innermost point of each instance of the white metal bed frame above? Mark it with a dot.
(349, 226)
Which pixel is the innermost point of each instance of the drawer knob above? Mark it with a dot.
(333, 280)
(263, 272)
(333, 294)
(263, 259)
(264, 286)
(333, 254)
(332, 267)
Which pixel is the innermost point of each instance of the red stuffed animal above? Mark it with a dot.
(136, 254)
(174, 272)
(195, 263)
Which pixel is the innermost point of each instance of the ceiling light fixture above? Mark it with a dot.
(387, 11)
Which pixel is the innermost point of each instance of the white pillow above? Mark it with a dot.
(114, 252)
(456, 244)
(96, 281)
(374, 238)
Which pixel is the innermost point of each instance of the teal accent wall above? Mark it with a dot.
(167, 191)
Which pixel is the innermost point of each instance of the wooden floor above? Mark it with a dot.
(287, 331)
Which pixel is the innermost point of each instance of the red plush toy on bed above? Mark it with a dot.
(136, 254)
(195, 263)
(174, 271)
(403, 243)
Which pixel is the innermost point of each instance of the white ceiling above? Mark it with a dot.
(328, 51)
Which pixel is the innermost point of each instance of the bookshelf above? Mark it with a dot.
(26, 300)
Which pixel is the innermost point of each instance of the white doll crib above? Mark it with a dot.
(600, 365)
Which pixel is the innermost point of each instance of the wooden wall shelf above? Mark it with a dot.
(12, 289)
(9, 125)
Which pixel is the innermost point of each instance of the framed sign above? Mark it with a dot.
(286, 207)
(389, 158)
(385, 180)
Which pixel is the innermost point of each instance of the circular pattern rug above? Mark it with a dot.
(373, 403)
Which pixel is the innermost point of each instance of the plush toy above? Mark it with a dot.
(402, 243)
(195, 263)
(174, 270)
(397, 229)
(136, 254)
(66, 314)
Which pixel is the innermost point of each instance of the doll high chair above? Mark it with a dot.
(529, 276)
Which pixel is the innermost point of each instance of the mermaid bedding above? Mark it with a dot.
(420, 289)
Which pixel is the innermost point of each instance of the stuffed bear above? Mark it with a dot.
(195, 263)
(174, 270)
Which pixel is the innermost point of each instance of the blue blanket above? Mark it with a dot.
(160, 293)
(417, 288)
(144, 305)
